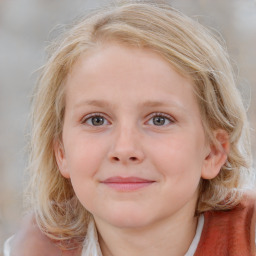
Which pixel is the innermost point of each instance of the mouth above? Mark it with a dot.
(126, 184)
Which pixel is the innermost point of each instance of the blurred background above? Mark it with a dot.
(26, 27)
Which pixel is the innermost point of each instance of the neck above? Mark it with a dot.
(165, 238)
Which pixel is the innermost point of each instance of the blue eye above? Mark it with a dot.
(160, 119)
(95, 120)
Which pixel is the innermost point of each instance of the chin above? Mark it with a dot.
(129, 220)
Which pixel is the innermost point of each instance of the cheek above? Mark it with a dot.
(84, 157)
(179, 158)
(83, 164)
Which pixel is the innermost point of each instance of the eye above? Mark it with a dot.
(160, 119)
(95, 120)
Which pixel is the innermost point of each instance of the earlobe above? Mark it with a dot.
(217, 156)
(61, 158)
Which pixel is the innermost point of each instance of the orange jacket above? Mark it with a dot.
(229, 233)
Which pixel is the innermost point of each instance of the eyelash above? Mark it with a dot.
(156, 114)
(159, 114)
(93, 115)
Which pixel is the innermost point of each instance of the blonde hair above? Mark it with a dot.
(192, 50)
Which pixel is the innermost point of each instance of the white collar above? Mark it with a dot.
(91, 245)
(195, 242)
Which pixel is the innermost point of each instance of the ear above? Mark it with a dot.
(61, 158)
(217, 155)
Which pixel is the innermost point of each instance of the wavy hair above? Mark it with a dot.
(192, 50)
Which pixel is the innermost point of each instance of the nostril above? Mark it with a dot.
(133, 158)
(115, 158)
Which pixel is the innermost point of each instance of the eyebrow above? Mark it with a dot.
(148, 103)
(154, 103)
(165, 103)
(96, 103)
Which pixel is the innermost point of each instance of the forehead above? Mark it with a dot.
(112, 72)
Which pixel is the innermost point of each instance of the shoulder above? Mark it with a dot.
(231, 231)
(249, 199)
(29, 240)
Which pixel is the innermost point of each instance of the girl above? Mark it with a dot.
(139, 141)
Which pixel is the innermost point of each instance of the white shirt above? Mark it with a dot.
(91, 246)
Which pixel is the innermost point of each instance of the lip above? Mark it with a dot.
(127, 183)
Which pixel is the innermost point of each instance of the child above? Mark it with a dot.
(139, 141)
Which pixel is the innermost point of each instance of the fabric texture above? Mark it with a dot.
(197, 237)
(229, 233)
(91, 245)
(219, 233)
(7, 248)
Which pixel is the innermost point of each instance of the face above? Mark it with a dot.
(133, 141)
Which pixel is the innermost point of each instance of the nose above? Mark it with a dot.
(127, 147)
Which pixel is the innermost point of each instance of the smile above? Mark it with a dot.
(127, 184)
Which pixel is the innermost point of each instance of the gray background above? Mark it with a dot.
(26, 27)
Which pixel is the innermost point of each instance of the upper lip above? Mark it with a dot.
(118, 179)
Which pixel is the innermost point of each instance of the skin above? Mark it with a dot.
(134, 116)
(128, 94)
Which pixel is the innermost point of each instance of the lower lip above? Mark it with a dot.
(124, 186)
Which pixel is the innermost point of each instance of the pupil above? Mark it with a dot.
(97, 120)
(158, 120)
